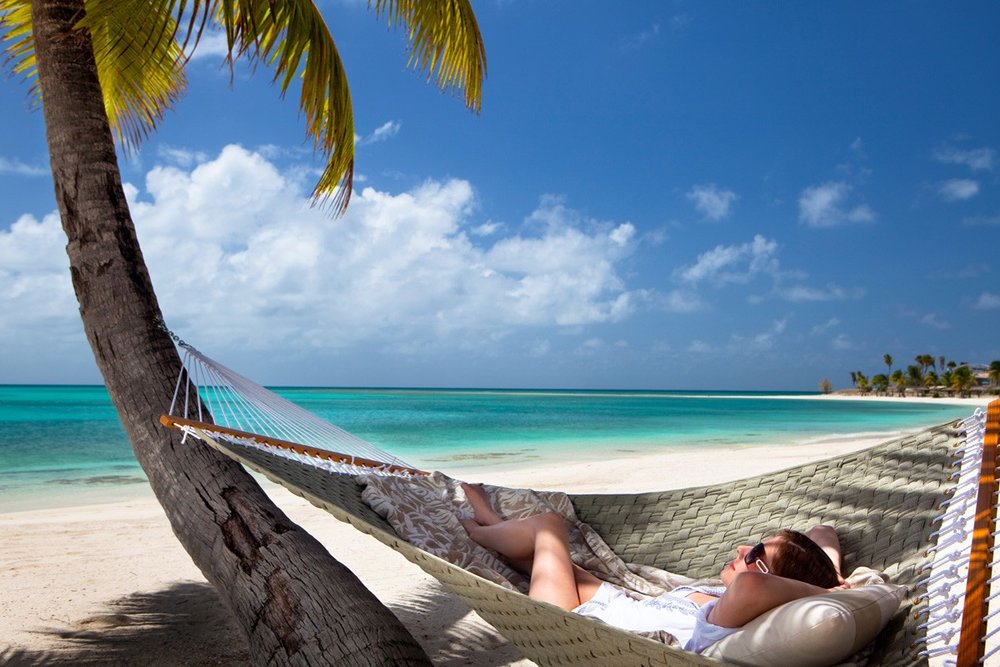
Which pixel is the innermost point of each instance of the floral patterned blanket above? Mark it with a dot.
(425, 510)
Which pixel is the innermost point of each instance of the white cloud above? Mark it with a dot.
(212, 44)
(832, 292)
(182, 157)
(933, 320)
(976, 159)
(235, 238)
(590, 347)
(637, 41)
(987, 301)
(983, 221)
(958, 189)
(741, 344)
(734, 263)
(842, 342)
(824, 205)
(831, 323)
(679, 301)
(712, 201)
(700, 347)
(487, 228)
(35, 289)
(539, 348)
(384, 132)
(760, 342)
(19, 168)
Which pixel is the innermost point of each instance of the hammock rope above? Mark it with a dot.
(951, 607)
(258, 417)
(949, 569)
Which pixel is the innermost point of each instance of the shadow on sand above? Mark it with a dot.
(187, 624)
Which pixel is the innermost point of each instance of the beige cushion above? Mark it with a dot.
(816, 631)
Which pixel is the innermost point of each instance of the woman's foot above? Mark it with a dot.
(483, 512)
(469, 525)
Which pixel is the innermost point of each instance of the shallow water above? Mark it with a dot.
(58, 440)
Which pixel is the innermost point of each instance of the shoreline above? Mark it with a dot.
(541, 469)
(976, 401)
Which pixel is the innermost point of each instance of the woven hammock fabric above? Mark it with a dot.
(884, 502)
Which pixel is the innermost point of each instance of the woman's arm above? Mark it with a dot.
(826, 537)
(753, 593)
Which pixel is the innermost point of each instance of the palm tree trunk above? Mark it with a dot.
(297, 604)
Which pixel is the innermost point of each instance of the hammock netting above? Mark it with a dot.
(905, 507)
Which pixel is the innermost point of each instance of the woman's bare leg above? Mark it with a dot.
(537, 545)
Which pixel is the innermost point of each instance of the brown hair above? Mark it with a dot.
(798, 557)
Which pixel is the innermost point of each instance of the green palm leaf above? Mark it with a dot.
(139, 63)
(19, 50)
(445, 38)
(293, 38)
(140, 49)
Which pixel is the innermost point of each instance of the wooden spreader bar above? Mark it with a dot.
(336, 457)
(971, 644)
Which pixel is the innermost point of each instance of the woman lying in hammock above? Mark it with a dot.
(784, 567)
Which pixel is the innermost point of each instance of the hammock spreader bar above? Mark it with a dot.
(972, 645)
(304, 450)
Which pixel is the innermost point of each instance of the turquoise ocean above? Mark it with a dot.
(60, 442)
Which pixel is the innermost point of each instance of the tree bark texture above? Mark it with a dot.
(297, 604)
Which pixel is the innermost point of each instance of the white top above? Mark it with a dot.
(671, 612)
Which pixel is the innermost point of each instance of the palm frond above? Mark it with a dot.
(445, 39)
(18, 46)
(140, 48)
(292, 37)
(139, 62)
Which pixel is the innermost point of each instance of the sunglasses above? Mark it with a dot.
(753, 557)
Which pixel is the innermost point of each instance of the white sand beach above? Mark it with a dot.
(109, 584)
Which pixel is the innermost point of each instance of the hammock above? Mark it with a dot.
(904, 507)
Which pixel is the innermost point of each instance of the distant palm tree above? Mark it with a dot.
(962, 380)
(887, 359)
(899, 380)
(854, 378)
(825, 385)
(931, 379)
(941, 363)
(994, 373)
(924, 361)
(880, 383)
(915, 376)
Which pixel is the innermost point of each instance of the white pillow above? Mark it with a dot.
(816, 631)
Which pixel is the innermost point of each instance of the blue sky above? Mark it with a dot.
(656, 195)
